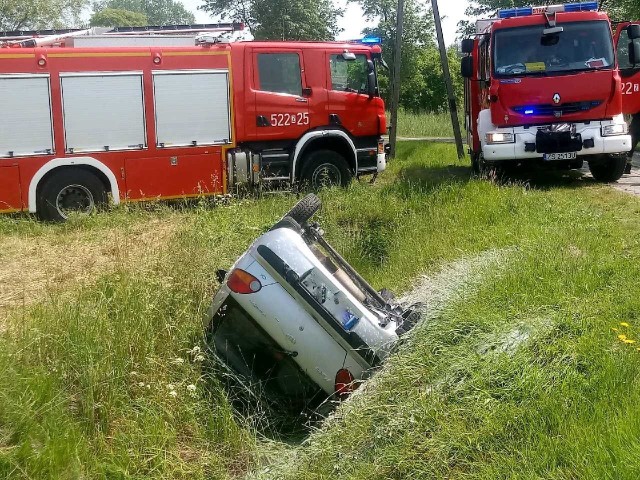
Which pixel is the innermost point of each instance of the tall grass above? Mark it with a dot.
(427, 124)
(96, 383)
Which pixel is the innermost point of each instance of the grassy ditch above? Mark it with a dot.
(521, 376)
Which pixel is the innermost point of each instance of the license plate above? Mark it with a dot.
(560, 156)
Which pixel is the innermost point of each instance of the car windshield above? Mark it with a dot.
(581, 46)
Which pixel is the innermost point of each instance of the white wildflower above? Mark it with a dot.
(141, 384)
(173, 393)
(171, 386)
(191, 388)
(199, 358)
(195, 350)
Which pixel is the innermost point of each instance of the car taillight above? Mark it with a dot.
(344, 382)
(243, 282)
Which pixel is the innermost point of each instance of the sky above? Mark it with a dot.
(353, 21)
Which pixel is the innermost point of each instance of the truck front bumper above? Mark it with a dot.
(524, 144)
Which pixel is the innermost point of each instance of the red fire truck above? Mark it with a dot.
(128, 116)
(542, 86)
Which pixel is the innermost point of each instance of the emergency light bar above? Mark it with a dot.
(367, 40)
(567, 7)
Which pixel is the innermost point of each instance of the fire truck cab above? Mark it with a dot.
(542, 86)
(130, 116)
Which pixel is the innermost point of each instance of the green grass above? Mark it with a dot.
(452, 403)
(418, 125)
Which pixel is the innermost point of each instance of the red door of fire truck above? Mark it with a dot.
(349, 102)
(630, 73)
(280, 92)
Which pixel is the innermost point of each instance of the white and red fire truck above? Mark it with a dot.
(142, 113)
(543, 85)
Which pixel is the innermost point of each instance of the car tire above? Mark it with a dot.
(304, 209)
(325, 168)
(608, 170)
(68, 191)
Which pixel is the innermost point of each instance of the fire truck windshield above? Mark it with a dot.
(581, 46)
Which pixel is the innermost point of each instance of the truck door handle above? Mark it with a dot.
(301, 100)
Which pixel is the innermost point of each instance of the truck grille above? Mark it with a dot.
(547, 109)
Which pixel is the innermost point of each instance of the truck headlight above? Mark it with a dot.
(499, 137)
(615, 129)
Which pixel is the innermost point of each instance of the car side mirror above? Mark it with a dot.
(466, 67)
(633, 31)
(371, 79)
(634, 52)
(467, 45)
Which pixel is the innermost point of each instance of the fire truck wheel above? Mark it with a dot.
(325, 168)
(70, 192)
(609, 169)
(475, 163)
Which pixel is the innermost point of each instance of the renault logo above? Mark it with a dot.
(556, 98)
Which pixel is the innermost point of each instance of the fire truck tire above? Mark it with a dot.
(609, 170)
(475, 163)
(325, 168)
(304, 209)
(67, 191)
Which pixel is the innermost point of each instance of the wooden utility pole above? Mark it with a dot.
(447, 80)
(395, 92)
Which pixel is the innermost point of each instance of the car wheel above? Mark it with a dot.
(304, 209)
(326, 168)
(70, 192)
(608, 170)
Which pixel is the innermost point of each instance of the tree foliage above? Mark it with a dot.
(113, 17)
(422, 86)
(157, 12)
(33, 14)
(281, 19)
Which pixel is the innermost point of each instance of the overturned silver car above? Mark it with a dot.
(294, 316)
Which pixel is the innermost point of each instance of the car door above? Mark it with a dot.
(281, 97)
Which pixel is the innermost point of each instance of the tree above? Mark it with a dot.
(33, 14)
(620, 10)
(422, 86)
(281, 19)
(113, 17)
(157, 12)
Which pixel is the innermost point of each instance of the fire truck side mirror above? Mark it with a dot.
(634, 52)
(466, 67)
(371, 79)
(467, 45)
(633, 31)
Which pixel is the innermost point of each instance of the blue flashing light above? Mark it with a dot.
(580, 7)
(515, 12)
(567, 7)
(529, 111)
(371, 40)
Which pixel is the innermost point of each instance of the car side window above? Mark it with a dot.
(280, 73)
(348, 75)
(623, 50)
